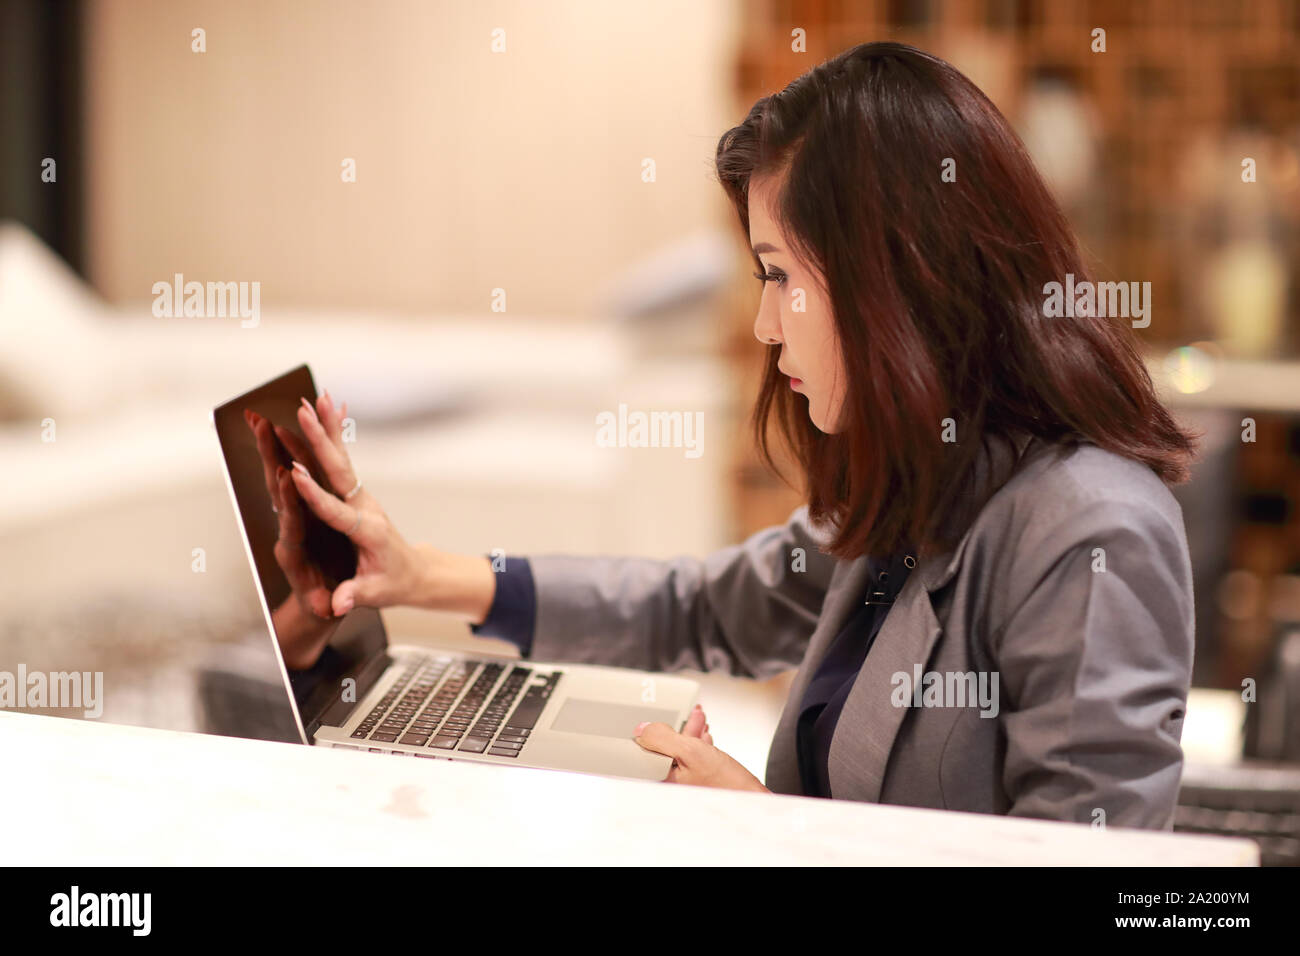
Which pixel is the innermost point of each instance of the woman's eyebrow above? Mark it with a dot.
(765, 247)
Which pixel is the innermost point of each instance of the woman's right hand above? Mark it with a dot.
(389, 570)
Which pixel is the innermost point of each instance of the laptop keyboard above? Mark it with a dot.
(1260, 802)
(425, 707)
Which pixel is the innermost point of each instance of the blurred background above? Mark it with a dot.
(482, 224)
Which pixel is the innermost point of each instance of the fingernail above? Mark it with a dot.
(697, 706)
(301, 469)
(346, 605)
(307, 405)
(640, 727)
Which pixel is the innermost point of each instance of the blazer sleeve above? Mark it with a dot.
(748, 609)
(1095, 667)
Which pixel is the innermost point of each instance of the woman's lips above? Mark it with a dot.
(795, 382)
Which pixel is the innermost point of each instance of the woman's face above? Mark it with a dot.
(795, 314)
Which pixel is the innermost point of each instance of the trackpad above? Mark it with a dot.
(579, 716)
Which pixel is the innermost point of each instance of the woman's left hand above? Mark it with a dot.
(695, 760)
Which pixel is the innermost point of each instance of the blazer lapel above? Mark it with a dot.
(869, 722)
(848, 583)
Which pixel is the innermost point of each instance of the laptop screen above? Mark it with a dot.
(320, 656)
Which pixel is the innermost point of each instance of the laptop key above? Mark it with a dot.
(474, 745)
(513, 738)
(498, 752)
(444, 743)
(508, 745)
(414, 740)
(385, 738)
(529, 709)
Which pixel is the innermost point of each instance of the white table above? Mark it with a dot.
(89, 793)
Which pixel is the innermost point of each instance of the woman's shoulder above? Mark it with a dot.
(1055, 481)
(1082, 555)
(1076, 498)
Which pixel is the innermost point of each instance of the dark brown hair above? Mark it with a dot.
(937, 294)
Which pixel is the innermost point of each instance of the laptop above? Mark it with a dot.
(366, 694)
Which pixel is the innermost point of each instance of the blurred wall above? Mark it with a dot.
(475, 170)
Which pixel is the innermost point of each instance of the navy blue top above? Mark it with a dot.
(514, 613)
(514, 607)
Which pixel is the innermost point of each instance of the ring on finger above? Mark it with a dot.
(355, 489)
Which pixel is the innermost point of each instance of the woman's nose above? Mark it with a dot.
(766, 330)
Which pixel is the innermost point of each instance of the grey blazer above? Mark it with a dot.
(1072, 585)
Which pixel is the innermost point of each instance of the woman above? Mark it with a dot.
(988, 592)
